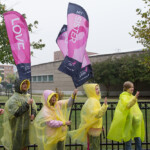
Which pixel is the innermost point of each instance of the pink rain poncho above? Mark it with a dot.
(50, 122)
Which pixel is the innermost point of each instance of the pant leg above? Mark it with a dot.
(60, 145)
(128, 145)
(94, 142)
(138, 143)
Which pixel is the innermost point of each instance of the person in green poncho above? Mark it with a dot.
(17, 117)
(128, 120)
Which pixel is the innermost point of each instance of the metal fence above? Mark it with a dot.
(105, 144)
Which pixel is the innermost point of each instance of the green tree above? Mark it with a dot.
(116, 71)
(11, 77)
(141, 31)
(133, 70)
(106, 73)
(5, 50)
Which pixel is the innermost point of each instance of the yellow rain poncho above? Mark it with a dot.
(128, 120)
(91, 116)
(48, 137)
(16, 121)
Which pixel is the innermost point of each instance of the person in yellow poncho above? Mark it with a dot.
(1, 110)
(52, 120)
(91, 118)
(128, 120)
(17, 116)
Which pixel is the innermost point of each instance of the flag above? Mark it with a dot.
(18, 35)
(85, 72)
(77, 33)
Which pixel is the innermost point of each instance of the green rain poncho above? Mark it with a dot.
(47, 136)
(128, 120)
(91, 116)
(16, 121)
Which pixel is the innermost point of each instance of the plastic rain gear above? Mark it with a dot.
(16, 120)
(128, 120)
(48, 137)
(91, 116)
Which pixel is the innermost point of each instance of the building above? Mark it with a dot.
(59, 56)
(5, 70)
(47, 76)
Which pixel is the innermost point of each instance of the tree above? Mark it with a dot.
(106, 73)
(113, 71)
(141, 31)
(11, 77)
(5, 50)
(133, 70)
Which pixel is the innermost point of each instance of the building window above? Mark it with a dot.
(39, 78)
(34, 78)
(44, 78)
(50, 78)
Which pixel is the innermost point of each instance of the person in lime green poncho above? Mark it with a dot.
(17, 117)
(128, 120)
(90, 127)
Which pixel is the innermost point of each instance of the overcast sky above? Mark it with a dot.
(110, 22)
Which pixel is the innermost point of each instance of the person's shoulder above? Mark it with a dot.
(124, 94)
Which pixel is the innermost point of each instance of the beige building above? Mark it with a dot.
(47, 76)
(5, 70)
(59, 56)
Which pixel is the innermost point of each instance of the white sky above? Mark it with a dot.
(110, 22)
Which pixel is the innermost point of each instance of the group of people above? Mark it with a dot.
(48, 128)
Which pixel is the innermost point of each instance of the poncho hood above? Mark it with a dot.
(48, 95)
(90, 90)
(18, 84)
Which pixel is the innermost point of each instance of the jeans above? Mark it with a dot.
(138, 145)
(94, 142)
(60, 145)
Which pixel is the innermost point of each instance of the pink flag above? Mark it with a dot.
(85, 72)
(77, 33)
(17, 31)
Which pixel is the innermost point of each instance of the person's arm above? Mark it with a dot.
(103, 109)
(133, 100)
(72, 98)
(33, 112)
(24, 108)
(57, 123)
(1, 111)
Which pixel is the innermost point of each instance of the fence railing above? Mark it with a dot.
(105, 144)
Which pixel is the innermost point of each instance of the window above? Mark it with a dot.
(50, 78)
(39, 78)
(34, 78)
(42, 78)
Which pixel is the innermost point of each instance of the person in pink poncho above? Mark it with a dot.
(52, 121)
